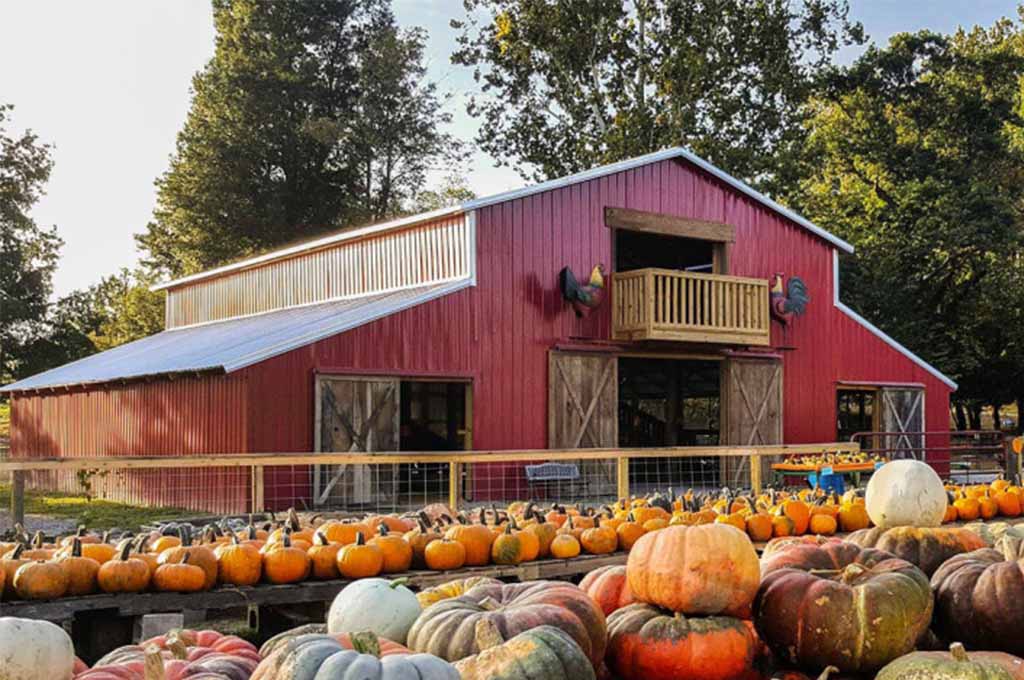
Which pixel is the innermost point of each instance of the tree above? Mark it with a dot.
(128, 309)
(28, 252)
(915, 156)
(571, 84)
(310, 116)
(453, 190)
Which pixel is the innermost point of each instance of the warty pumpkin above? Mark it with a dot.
(81, 571)
(705, 569)
(40, 581)
(832, 602)
(955, 664)
(124, 573)
(360, 559)
(286, 563)
(647, 643)
(541, 653)
(238, 563)
(180, 576)
(608, 587)
(977, 601)
(448, 628)
(925, 548)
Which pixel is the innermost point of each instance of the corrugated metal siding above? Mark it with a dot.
(429, 253)
(163, 418)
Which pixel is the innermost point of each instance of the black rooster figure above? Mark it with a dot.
(791, 303)
(583, 298)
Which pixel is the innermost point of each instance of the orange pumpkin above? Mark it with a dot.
(179, 576)
(823, 525)
(360, 559)
(506, 548)
(599, 540)
(125, 573)
(81, 571)
(476, 539)
(343, 532)
(444, 555)
(708, 569)
(286, 563)
(629, 532)
(397, 552)
(238, 563)
(565, 546)
(199, 556)
(323, 557)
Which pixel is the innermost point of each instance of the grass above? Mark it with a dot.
(95, 514)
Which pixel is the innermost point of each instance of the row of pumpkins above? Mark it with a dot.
(387, 544)
(691, 603)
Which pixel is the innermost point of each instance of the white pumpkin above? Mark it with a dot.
(905, 493)
(34, 650)
(378, 605)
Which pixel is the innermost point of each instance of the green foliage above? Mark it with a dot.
(129, 309)
(310, 116)
(5, 420)
(915, 156)
(453, 190)
(28, 252)
(572, 84)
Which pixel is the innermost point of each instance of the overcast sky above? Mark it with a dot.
(108, 84)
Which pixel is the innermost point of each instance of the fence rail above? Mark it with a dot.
(665, 304)
(232, 483)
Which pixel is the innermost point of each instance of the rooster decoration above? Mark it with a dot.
(791, 302)
(586, 298)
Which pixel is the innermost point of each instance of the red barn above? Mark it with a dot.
(448, 330)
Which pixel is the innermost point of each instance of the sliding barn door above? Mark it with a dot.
(902, 413)
(356, 415)
(751, 412)
(583, 411)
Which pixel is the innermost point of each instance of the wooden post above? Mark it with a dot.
(18, 497)
(454, 485)
(258, 499)
(755, 473)
(622, 475)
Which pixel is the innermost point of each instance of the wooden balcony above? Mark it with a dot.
(665, 304)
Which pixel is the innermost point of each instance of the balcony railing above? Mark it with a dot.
(665, 304)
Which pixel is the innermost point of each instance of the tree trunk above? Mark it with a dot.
(974, 412)
(960, 415)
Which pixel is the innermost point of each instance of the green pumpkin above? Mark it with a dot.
(541, 653)
(956, 665)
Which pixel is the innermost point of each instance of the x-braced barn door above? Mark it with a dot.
(902, 413)
(358, 415)
(751, 411)
(583, 411)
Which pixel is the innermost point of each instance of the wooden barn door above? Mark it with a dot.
(583, 411)
(358, 415)
(751, 412)
(902, 411)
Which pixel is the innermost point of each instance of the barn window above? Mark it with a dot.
(856, 411)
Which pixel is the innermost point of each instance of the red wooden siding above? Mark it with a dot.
(161, 418)
(498, 333)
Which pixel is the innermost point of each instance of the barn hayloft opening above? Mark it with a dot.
(639, 250)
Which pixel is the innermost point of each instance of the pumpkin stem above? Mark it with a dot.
(827, 672)
(489, 604)
(365, 643)
(958, 652)
(177, 646)
(360, 539)
(76, 547)
(399, 582)
(154, 666)
(487, 634)
(124, 552)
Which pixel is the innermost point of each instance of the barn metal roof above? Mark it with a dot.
(226, 346)
(468, 206)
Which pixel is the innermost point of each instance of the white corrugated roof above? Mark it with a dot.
(594, 173)
(234, 343)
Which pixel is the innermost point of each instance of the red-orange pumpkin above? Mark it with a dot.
(608, 587)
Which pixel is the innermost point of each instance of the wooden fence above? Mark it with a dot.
(629, 476)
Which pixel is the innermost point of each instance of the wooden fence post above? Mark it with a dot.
(258, 499)
(454, 485)
(755, 473)
(18, 497)
(622, 475)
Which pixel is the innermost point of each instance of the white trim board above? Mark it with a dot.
(550, 185)
(887, 339)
